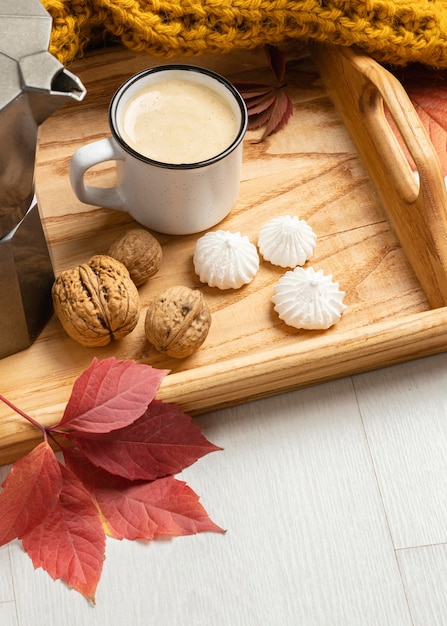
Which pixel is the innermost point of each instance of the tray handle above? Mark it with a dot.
(417, 210)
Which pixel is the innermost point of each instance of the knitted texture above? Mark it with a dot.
(396, 32)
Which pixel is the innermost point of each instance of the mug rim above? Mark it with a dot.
(114, 103)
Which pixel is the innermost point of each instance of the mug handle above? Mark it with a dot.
(86, 157)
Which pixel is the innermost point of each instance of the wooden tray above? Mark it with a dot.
(396, 286)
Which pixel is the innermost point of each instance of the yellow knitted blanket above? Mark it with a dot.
(392, 31)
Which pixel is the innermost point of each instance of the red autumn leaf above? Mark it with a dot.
(60, 513)
(250, 90)
(146, 510)
(277, 61)
(161, 442)
(30, 490)
(261, 119)
(259, 99)
(427, 91)
(262, 104)
(272, 108)
(110, 395)
(281, 113)
(268, 105)
(141, 510)
(69, 543)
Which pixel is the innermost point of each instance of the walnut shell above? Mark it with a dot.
(96, 301)
(139, 251)
(177, 321)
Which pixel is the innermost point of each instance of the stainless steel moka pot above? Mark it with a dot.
(33, 84)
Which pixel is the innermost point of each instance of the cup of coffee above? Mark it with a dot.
(176, 136)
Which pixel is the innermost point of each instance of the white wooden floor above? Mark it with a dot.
(335, 503)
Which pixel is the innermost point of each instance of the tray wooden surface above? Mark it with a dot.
(311, 168)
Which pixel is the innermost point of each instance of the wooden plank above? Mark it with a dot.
(310, 168)
(405, 423)
(6, 580)
(8, 614)
(424, 572)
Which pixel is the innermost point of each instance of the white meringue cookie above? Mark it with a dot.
(287, 241)
(304, 298)
(225, 260)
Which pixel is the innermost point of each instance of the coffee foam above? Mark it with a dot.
(177, 121)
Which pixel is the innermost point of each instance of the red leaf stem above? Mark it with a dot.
(24, 415)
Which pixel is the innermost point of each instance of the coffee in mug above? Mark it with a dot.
(176, 136)
(178, 121)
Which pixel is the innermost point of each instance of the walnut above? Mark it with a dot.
(177, 321)
(139, 251)
(96, 301)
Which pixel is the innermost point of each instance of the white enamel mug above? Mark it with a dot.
(171, 198)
